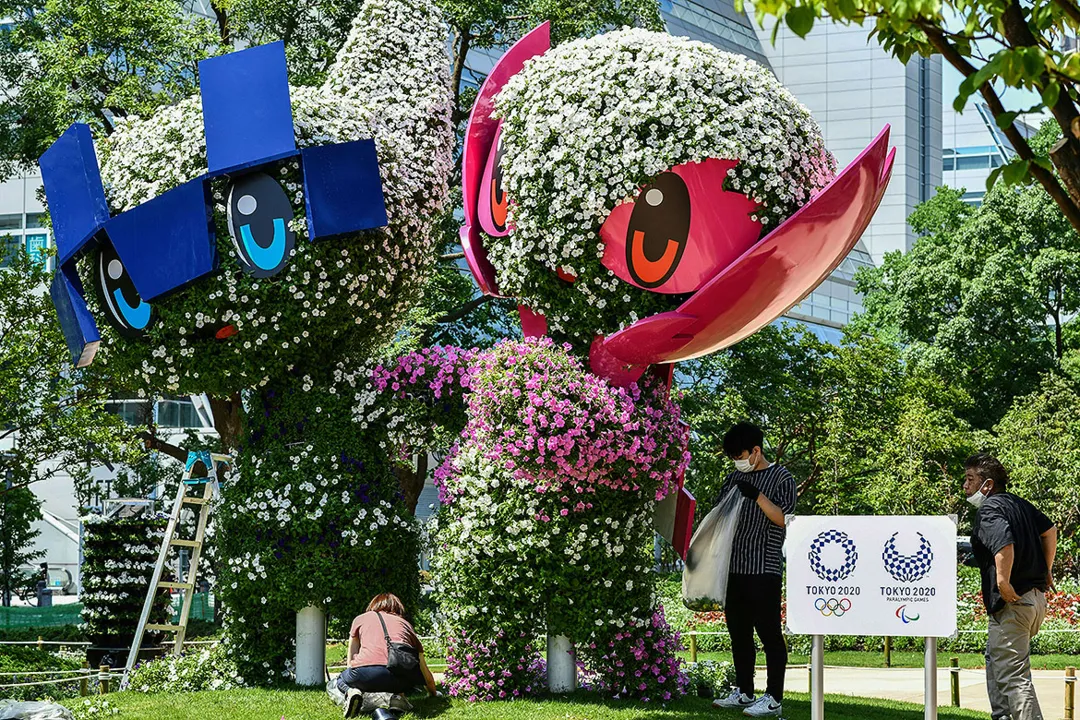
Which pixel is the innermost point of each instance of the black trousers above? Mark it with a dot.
(753, 603)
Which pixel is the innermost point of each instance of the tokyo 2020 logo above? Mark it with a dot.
(822, 541)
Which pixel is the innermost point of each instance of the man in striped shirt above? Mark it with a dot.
(754, 582)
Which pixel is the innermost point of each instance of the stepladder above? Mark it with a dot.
(196, 490)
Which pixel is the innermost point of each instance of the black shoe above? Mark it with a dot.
(353, 700)
(384, 714)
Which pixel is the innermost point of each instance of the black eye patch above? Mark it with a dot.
(128, 313)
(259, 214)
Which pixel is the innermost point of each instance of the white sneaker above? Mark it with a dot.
(764, 707)
(737, 699)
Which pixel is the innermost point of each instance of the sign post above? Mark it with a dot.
(930, 679)
(892, 576)
(817, 678)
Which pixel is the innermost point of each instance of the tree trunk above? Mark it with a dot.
(412, 482)
(227, 420)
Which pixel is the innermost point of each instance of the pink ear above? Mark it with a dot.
(772, 276)
(479, 140)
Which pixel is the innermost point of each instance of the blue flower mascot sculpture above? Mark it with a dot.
(258, 243)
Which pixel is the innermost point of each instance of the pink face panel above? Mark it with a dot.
(680, 230)
(493, 203)
(480, 139)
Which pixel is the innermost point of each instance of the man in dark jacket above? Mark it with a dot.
(1014, 544)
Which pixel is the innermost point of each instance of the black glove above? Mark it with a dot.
(748, 490)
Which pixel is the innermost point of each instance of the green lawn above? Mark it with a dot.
(314, 705)
(906, 659)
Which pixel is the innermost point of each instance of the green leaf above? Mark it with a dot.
(1015, 171)
(1050, 94)
(992, 178)
(800, 19)
(1006, 119)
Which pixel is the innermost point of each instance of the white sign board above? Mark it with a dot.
(871, 575)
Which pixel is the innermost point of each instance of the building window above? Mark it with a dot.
(34, 220)
(177, 414)
(8, 247)
(131, 411)
(11, 222)
(983, 157)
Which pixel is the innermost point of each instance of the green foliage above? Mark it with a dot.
(984, 297)
(862, 430)
(118, 561)
(20, 659)
(56, 413)
(714, 678)
(310, 516)
(19, 509)
(1038, 441)
(992, 44)
(92, 61)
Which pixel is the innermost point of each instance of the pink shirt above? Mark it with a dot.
(372, 651)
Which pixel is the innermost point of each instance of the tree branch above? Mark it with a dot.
(1071, 10)
(465, 309)
(462, 49)
(222, 16)
(452, 256)
(153, 442)
(1019, 142)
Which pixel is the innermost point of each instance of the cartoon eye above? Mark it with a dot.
(494, 202)
(680, 230)
(128, 313)
(258, 216)
(658, 230)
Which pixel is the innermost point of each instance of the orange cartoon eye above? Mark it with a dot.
(494, 202)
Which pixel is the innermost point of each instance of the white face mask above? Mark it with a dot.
(977, 497)
(746, 465)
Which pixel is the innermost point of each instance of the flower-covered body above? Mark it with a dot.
(546, 521)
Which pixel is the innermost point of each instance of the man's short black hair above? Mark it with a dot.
(988, 467)
(743, 436)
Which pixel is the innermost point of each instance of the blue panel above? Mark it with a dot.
(247, 113)
(72, 180)
(343, 190)
(168, 242)
(80, 330)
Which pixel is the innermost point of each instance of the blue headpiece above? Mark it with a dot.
(168, 242)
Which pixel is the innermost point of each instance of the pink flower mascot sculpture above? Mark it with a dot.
(646, 199)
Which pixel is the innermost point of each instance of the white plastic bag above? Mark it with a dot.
(705, 576)
(11, 710)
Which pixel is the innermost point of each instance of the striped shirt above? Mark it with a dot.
(758, 545)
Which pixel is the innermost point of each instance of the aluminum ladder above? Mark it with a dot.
(209, 486)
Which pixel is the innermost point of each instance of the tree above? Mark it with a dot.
(992, 44)
(1038, 441)
(984, 296)
(862, 430)
(92, 61)
(53, 418)
(18, 511)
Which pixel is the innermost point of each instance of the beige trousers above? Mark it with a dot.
(1008, 658)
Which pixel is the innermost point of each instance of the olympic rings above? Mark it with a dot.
(832, 606)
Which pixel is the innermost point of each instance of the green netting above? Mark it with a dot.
(202, 608)
(34, 617)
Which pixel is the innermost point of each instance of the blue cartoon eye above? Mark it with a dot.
(128, 313)
(259, 214)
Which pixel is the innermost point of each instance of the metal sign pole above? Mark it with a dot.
(817, 678)
(930, 679)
